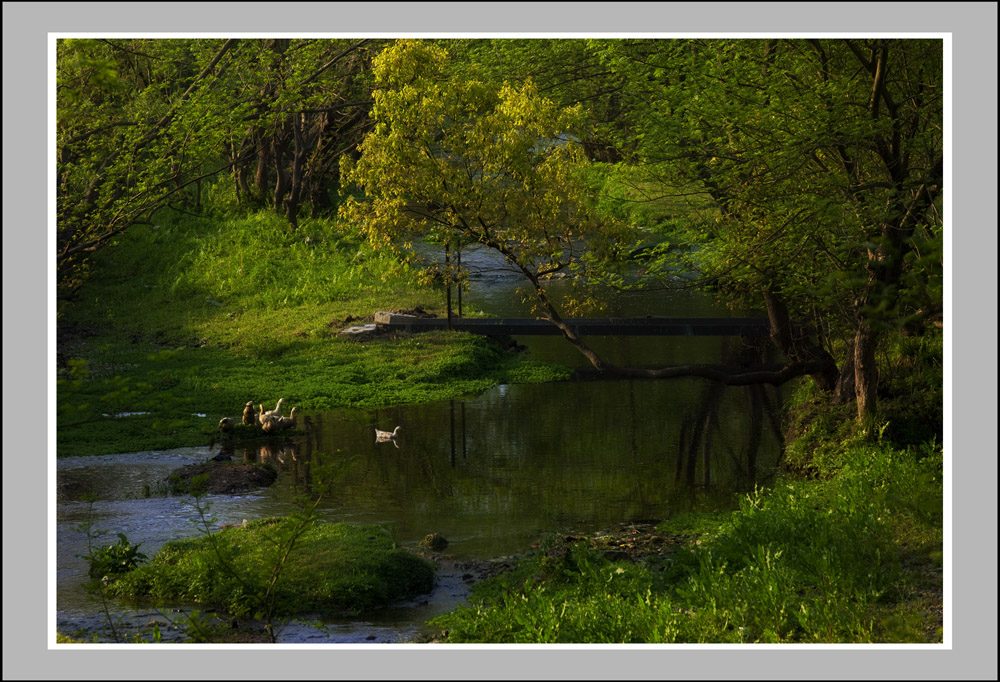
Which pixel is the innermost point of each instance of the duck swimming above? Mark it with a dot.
(386, 436)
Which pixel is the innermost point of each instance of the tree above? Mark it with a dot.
(135, 129)
(568, 72)
(824, 159)
(460, 158)
(310, 106)
(141, 123)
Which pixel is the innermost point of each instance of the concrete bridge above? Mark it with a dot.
(583, 326)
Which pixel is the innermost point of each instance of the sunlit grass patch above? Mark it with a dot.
(236, 310)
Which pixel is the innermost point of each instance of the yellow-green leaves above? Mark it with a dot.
(468, 159)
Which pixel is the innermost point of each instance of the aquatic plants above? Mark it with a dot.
(121, 557)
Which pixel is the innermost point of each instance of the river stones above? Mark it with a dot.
(434, 541)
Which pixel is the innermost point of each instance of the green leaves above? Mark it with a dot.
(115, 559)
(463, 158)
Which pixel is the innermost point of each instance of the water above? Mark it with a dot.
(494, 474)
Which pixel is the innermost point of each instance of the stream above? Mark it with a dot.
(494, 473)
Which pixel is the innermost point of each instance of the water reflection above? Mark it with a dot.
(493, 474)
(497, 472)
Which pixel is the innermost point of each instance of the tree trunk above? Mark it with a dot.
(797, 347)
(298, 161)
(281, 180)
(865, 371)
(845, 384)
(263, 162)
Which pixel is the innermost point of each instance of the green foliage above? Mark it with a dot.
(817, 433)
(462, 158)
(804, 562)
(826, 187)
(910, 414)
(133, 128)
(334, 569)
(634, 195)
(120, 557)
(143, 124)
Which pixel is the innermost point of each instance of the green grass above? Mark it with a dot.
(851, 559)
(249, 284)
(63, 638)
(847, 547)
(175, 387)
(910, 407)
(335, 568)
(213, 319)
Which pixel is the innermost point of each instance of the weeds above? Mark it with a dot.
(120, 557)
(283, 541)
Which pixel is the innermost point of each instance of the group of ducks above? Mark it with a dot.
(273, 421)
(270, 421)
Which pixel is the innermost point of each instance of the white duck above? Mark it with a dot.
(287, 422)
(276, 412)
(385, 436)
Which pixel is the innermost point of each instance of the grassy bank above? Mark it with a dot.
(331, 568)
(185, 321)
(855, 558)
(847, 546)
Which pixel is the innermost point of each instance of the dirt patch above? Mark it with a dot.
(223, 478)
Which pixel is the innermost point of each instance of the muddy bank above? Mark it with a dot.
(221, 478)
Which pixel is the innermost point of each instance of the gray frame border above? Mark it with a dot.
(973, 351)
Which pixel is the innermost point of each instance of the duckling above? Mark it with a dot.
(248, 415)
